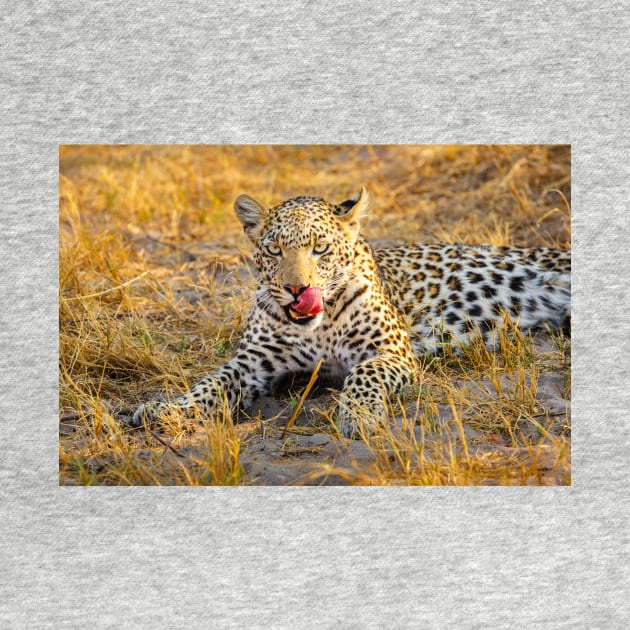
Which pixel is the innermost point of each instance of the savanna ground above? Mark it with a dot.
(156, 282)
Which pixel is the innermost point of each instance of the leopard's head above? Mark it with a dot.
(304, 252)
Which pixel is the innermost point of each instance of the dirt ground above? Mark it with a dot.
(310, 454)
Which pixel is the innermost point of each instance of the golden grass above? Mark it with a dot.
(155, 285)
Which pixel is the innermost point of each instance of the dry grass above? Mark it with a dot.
(155, 285)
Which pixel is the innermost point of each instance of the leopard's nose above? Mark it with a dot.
(295, 289)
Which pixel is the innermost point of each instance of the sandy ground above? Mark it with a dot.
(311, 454)
(302, 457)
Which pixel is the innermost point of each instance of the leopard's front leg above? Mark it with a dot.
(362, 405)
(239, 381)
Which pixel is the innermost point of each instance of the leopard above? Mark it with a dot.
(367, 316)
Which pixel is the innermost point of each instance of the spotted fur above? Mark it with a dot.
(379, 308)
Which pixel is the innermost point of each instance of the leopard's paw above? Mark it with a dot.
(150, 412)
(357, 424)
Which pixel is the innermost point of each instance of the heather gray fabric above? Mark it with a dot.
(300, 72)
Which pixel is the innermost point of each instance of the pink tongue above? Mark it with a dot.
(309, 302)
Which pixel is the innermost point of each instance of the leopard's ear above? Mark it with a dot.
(353, 210)
(251, 214)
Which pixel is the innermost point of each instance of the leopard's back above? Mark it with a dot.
(450, 292)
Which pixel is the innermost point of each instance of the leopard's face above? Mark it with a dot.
(304, 252)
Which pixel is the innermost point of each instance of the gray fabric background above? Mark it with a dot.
(395, 72)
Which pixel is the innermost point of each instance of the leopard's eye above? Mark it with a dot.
(321, 248)
(274, 250)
